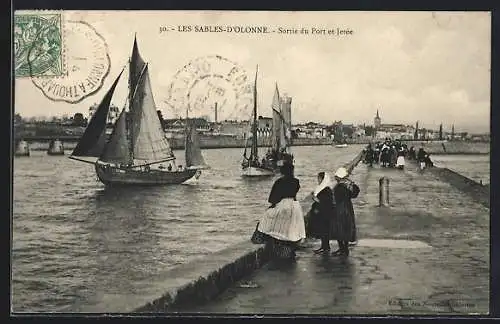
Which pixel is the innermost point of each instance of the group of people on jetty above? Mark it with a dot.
(331, 217)
(392, 154)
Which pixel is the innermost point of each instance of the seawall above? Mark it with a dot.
(191, 283)
(473, 189)
(209, 142)
(455, 147)
(213, 142)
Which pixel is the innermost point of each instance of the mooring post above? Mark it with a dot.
(383, 191)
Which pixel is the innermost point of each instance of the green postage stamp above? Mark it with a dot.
(38, 46)
(59, 53)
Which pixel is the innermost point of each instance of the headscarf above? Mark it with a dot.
(341, 173)
(326, 182)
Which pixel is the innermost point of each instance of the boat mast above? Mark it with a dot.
(253, 153)
(129, 116)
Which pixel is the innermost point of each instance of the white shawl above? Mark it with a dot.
(327, 182)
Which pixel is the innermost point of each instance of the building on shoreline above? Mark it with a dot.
(113, 114)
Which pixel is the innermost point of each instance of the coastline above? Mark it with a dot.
(41, 143)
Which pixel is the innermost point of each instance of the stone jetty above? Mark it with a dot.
(426, 253)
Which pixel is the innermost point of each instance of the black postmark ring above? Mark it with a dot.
(87, 65)
(209, 80)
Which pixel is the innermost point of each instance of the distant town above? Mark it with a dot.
(337, 131)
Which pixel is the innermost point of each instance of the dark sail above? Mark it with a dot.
(135, 69)
(93, 140)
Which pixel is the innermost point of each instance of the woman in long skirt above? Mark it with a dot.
(322, 213)
(400, 163)
(283, 222)
(345, 224)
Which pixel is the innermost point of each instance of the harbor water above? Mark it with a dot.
(76, 242)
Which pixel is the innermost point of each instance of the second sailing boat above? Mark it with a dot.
(280, 150)
(251, 165)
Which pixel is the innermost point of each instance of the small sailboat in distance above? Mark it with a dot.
(193, 156)
(251, 165)
(137, 148)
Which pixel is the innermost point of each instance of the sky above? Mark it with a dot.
(433, 67)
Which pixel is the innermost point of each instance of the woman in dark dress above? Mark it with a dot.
(345, 225)
(283, 222)
(322, 213)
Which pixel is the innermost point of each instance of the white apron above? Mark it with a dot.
(400, 161)
(284, 222)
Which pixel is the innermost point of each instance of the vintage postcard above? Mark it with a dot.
(251, 162)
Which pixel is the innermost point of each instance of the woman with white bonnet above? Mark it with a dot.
(283, 223)
(345, 224)
(322, 213)
(400, 163)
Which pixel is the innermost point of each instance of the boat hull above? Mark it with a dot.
(253, 172)
(341, 145)
(110, 175)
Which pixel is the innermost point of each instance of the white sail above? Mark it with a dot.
(279, 138)
(194, 158)
(148, 138)
(275, 142)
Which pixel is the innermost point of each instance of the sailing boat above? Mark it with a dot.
(137, 147)
(252, 167)
(193, 156)
(279, 151)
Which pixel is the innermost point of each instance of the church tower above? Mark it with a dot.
(376, 121)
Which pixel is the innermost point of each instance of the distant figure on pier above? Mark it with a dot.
(421, 158)
(322, 213)
(283, 222)
(376, 153)
(369, 155)
(400, 163)
(393, 156)
(385, 156)
(345, 224)
(411, 154)
(427, 160)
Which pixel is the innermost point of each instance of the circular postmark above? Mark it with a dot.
(208, 81)
(87, 65)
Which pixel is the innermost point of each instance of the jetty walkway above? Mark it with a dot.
(426, 253)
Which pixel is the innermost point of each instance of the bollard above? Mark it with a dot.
(384, 191)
